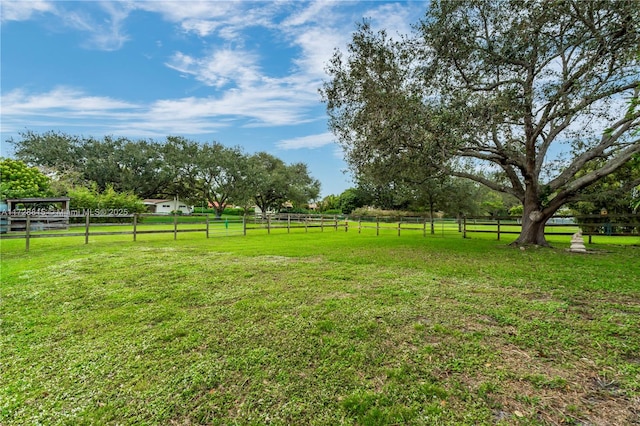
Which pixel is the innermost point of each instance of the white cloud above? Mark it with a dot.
(247, 91)
(251, 92)
(103, 34)
(69, 100)
(106, 34)
(317, 46)
(308, 142)
(63, 106)
(316, 11)
(220, 68)
(395, 18)
(24, 10)
(204, 18)
(322, 26)
(180, 11)
(316, 30)
(200, 27)
(110, 35)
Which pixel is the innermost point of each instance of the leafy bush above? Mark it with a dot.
(372, 212)
(203, 210)
(516, 210)
(17, 180)
(227, 211)
(233, 212)
(109, 201)
(300, 210)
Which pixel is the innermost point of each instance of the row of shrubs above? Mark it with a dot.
(241, 211)
(227, 211)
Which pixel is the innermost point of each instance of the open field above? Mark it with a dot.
(318, 328)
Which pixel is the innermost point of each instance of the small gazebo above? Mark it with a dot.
(44, 213)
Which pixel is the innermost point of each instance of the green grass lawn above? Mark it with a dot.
(318, 328)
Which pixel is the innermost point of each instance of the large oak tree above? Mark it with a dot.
(273, 182)
(495, 88)
(209, 171)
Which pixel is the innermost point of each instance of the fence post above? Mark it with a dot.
(207, 226)
(399, 223)
(335, 219)
(135, 225)
(175, 225)
(244, 224)
(359, 225)
(346, 225)
(28, 233)
(377, 226)
(321, 223)
(86, 226)
(464, 227)
(306, 224)
(498, 229)
(288, 224)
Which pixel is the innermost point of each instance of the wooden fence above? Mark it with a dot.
(590, 226)
(140, 224)
(342, 222)
(33, 226)
(28, 227)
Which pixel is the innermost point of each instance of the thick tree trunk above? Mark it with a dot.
(217, 207)
(532, 233)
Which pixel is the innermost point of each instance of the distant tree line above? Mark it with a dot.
(451, 196)
(177, 167)
(617, 193)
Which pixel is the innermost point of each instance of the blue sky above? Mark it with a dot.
(237, 72)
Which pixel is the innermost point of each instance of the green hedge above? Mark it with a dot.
(107, 202)
(226, 212)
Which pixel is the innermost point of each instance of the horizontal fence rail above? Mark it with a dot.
(28, 227)
(589, 226)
